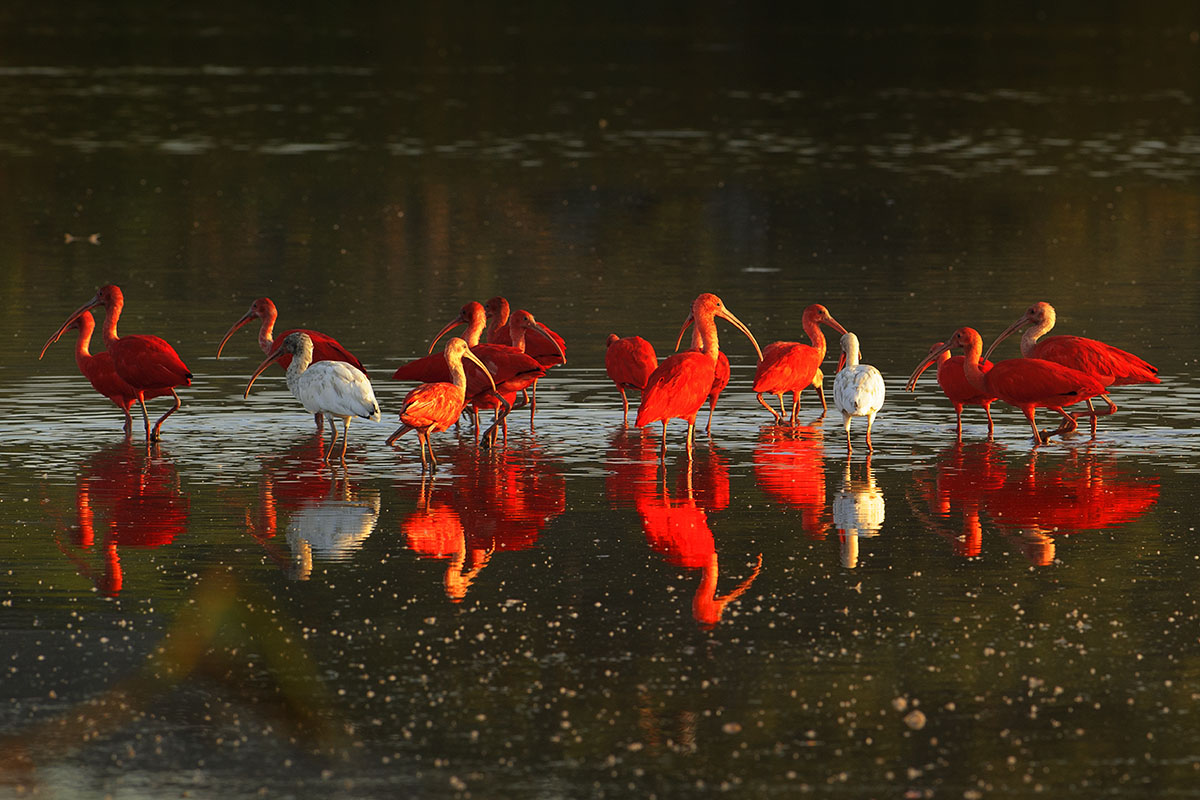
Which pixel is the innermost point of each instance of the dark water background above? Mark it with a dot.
(560, 618)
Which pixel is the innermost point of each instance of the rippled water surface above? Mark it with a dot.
(561, 615)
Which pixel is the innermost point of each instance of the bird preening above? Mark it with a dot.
(1054, 372)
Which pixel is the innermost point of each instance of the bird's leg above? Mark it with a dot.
(345, 435)
(532, 403)
(824, 405)
(691, 434)
(988, 410)
(145, 416)
(711, 405)
(319, 418)
(1037, 434)
(870, 447)
(432, 457)
(334, 431)
(763, 403)
(128, 422)
(624, 405)
(421, 436)
(170, 411)
(782, 410)
(958, 422)
(795, 407)
(662, 450)
(849, 449)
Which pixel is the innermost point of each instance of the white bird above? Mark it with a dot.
(858, 511)
(333, 388)
(857, 389)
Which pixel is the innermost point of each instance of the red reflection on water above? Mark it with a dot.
(1085, 493)
(1033, 503)
(630, 466)
(789, 465)
(497, 500)
(677, 526)
(125, 497)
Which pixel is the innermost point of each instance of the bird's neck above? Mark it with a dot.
(111, 314)
(971, 365)
(300, 362)
(706, 334)
(83, 347)
(816, 336)
(516, 334)
(1032, 334)
(495, 323)
(266, 332)
(458, 377)
(474, 332)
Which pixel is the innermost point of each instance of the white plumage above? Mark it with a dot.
(858, 511)
(333, 388)
(857, 389)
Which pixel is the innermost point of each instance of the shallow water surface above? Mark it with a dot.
(562, 615)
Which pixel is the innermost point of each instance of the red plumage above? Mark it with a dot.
(677, 388)
(792, 366)
(325, 348)
(952, 377)
(629, 363)
(544, 347)
(1110, 365)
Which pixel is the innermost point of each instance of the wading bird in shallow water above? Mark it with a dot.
(793, 367)
(679, 385)
(958, 390)
(433, 407)
(857, 389)
(1107, 364)
(333, 388)
(325, 348)
(147, 363)
(629, 362)
(99, 370)
(1027, 383)
(721, 377)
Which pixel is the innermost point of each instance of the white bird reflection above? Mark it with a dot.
(858, 511)
(331, 529)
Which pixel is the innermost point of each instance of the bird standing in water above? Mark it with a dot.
(857, 389)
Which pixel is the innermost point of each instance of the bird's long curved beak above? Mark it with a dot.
(837, 326)
(274, 354)
(545, 332)
(234, 329)
(467, 354)
(934, 351)
(686, 324)
(88, 306)
(1009, 331)
(451, 325)
(737, 323)
(929, 359)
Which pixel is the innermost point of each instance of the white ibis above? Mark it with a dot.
(857, 389)
(333, 388)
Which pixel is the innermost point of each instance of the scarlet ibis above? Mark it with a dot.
(857, 389)
(720, 378)
(147, 363)
(325, 348)
(1027, 383)
(956, 387)
(793, 367)
(512, 371)
(519, 325)
(333, 388)
(99, 369)
(433, 407)
(629, 362)
(679, 385)
(1109, 365)
(549, 348)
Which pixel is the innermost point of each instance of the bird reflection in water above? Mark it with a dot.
(327, 519)
(1035, 503)
(858, 511)
(789, 465)
(678, 528)
(965, 475)
(497, 501)
(125, 497)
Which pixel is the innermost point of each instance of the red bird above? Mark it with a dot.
(146, 363)
(958, 390)
(433, 407)
(512, 371)
(1027, 383)
(720, 378)
(679, 385)
(99, 369)
(1107, 364)
(325, 348)
(549, 348)
(629, 362)
(520, 324)
(793, 367)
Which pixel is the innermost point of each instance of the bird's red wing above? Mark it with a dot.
(677, 388)
(103, 377)
(511, 369)
(326, 348)
(786, 366)
(1033, 381)
(630, 361)
(720, 376)
(427, 369)
(541, 347)
(956, 387)
(436, 404)
(148, 363)
(1110, 365)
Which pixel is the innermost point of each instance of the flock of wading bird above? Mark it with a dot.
(1054, 372)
